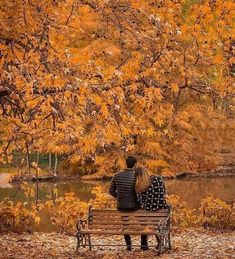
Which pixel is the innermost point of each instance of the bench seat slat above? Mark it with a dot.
(130, 221)
(118, 214)
(112, 232)
(130, 212)
(125, 221)
(139, 228)
(120, 223)
(127, 217)
(123, 227)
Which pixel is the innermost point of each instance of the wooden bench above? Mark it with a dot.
(114, 222)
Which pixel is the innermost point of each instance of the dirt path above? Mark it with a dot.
(189, 244)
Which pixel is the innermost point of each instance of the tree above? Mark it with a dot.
(94, 80)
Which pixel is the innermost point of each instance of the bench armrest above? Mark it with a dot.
(163, 224)
(81, 224)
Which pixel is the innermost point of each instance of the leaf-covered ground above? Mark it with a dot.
(188, 244)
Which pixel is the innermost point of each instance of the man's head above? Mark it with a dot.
(131, 161)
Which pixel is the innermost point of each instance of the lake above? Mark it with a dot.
(190, 190)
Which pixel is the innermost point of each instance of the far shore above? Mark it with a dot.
(224, 172)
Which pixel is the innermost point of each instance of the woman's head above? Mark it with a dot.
(142, 180)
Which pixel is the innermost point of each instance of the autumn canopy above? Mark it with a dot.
(92, 81)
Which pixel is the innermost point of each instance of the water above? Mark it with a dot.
(190, 190)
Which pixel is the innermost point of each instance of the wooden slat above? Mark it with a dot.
(140, 218)
(130, 212)
(120, 228)
(98, 232)
(127, 216)
(123, 226)
(111, 219)
(118, 217)
(139, 229)
(130, 227)
(129, 219)
(156, 222)
(131, 215)
(139, 213)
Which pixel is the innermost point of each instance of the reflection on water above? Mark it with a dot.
(4, 180)
(46, 190)
(194, 190)
(190, 190)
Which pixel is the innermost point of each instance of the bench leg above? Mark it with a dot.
(79, 241)
(160, 245)
(89, 242)
(169, 241)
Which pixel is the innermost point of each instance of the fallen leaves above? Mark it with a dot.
(187, 244)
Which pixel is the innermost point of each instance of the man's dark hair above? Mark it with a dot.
(130, 161)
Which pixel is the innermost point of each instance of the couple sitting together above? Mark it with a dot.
(135, 189)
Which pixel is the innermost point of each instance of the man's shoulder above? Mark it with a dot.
(122, 173)
(117, 174)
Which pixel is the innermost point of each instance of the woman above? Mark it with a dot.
(150, 193)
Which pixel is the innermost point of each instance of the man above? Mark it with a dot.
(123, 188)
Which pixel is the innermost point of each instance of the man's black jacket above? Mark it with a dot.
(123, 188)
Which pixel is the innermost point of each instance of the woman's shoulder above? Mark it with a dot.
(156, 178)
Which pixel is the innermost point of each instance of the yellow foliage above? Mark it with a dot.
(181, 216)
(66, 212)
(213, 213)
(216, 214)
(28, 190)
(102, 199)
(17, 217)
(67, 209)
(97, 77)
(174, 87)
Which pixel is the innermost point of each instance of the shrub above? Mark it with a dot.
(66, 212)
(181, 215)
(102, 199)
(216, 214)
(16, 217)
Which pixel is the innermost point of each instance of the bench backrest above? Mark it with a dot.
(134, 220)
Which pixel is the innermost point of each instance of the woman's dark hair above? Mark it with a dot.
(130, 161)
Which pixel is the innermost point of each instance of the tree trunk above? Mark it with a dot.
(49, 167)
(38, 157)
(37, 187)
(56, 163)
(28, 159)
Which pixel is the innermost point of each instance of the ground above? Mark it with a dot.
(186, 244)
